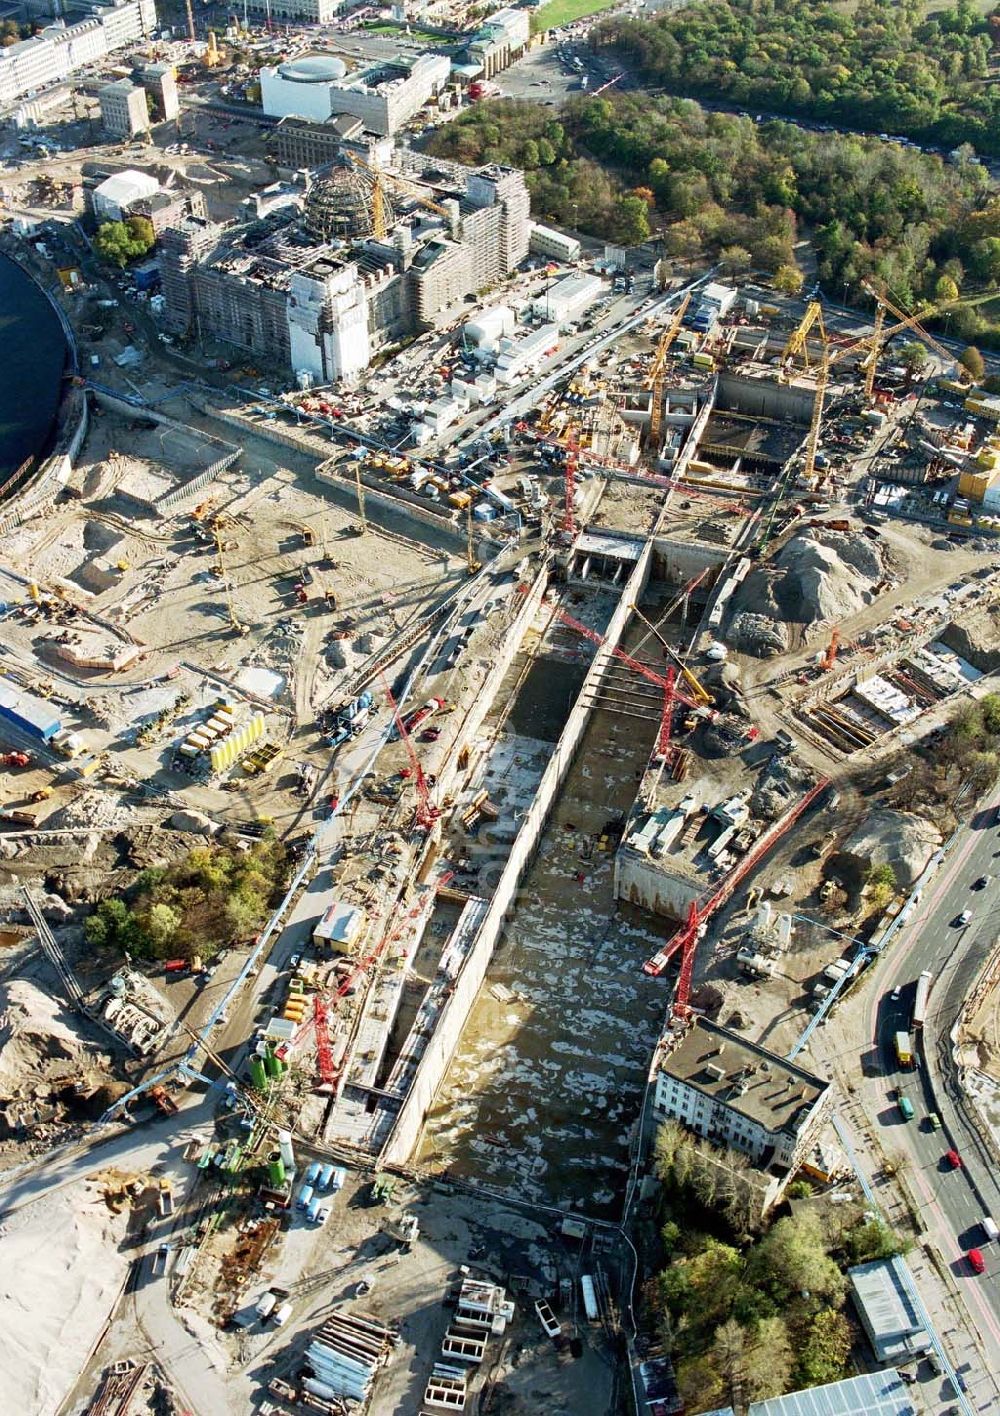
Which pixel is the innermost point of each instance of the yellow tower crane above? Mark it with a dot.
(797, 342)
(658, 371)
(906, 322)
(234, 621)
(381, 180)
(698, 689)
(472, 565)
(361, 495)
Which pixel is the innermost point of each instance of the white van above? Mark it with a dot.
(990, 1229)
(282, 1315)
(266, 1306)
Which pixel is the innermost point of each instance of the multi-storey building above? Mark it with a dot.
(317, 12)
(124, 111)
(383, 96)
(305, 142)
(501, 41)
(317, 292)
(61, 49)
(741, 1096)
(160, 81)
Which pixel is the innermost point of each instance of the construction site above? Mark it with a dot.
(566, 721)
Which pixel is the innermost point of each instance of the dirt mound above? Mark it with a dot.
(40, 1052)
(977, 638)
(895, 838)
(818, 575)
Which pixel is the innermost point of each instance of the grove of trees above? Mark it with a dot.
(214, 896)
(722, 185)
(119, 242)
(880, 65)
(755, 1317)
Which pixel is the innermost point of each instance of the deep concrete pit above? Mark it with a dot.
(546, 1085)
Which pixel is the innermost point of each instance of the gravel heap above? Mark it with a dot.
(818, 575)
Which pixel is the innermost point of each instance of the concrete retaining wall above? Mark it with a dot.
(409, 1123)
(662, 892)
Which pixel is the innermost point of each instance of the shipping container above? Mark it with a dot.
(32, 715)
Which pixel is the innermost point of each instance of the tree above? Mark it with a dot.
(822, 1357)
(881, 875)
(973, 362)
(792, 1259)
(788, 279)
(118, 242)
(768, 1362)
(990, 708)
(945, 289)
(734, 259)
(161, 925)
(631, 220)
(913, 356)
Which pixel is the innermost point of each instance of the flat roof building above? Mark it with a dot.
(384, 96)
(569, 298)
(740, 1095)
(60, 49)
(871, 1394)
(124, 111)
(888, 1316)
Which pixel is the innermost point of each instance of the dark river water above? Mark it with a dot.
(31, 365)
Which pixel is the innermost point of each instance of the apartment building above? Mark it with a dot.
(61, 49)
(741, 1096)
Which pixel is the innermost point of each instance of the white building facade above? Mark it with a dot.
(741, 1096)
(61, 49)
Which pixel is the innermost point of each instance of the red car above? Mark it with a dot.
(954, 1159)
(976, 1261)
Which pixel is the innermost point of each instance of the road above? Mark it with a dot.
(951, 1201)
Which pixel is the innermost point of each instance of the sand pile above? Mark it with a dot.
(62, 1271)
(895, 838)
(39, 1048)
(819, 575)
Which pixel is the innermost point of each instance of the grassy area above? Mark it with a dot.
(564, 12)
(421, 36)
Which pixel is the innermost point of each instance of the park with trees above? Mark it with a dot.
(744, 1312)
(715, 184)
(882, 65)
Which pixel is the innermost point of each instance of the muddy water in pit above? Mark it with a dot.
(545, 1086)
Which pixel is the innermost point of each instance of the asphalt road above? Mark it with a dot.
(952, 1200)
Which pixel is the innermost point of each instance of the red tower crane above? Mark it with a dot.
(667, 682)
(427, 813)
(685, 941)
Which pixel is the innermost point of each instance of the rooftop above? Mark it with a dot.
(888, 1314)
(313, 69)
(748, 1079)
(871, 1394)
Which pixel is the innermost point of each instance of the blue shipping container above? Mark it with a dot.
(32, 715)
